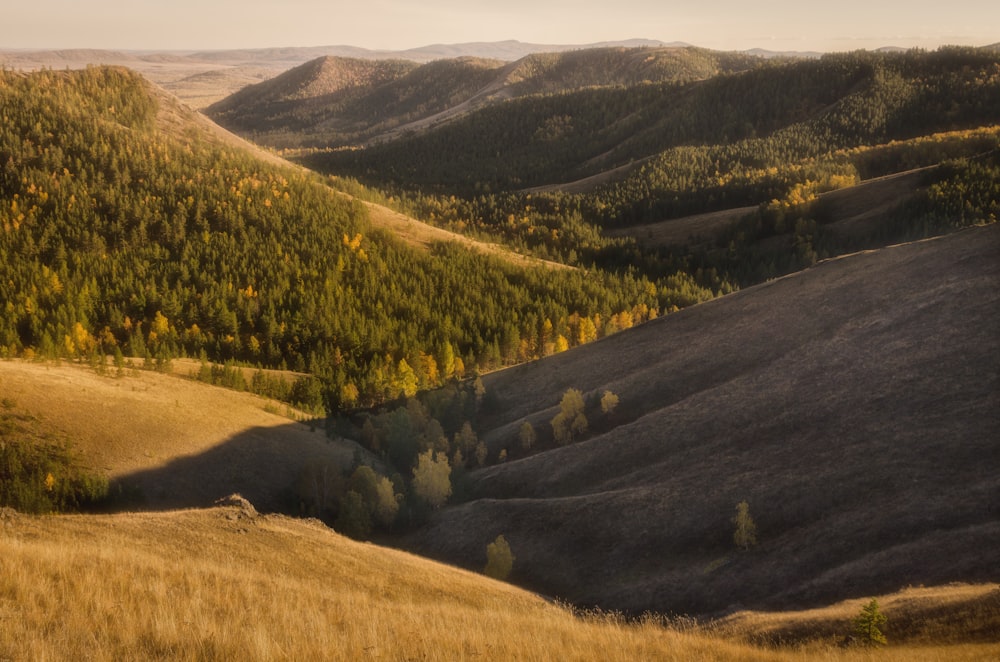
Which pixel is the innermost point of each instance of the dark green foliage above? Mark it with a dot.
(117, 235)
(38, 475)
(354, 519)
(868, 625)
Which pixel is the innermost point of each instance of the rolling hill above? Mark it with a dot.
(204, 77)
(305, 106)
(854, 406)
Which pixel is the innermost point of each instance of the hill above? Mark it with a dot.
(205, 77)
(132, 226)
(227, 583)
(854, 406)
(173, 442)
(757, 115)
(292, 110)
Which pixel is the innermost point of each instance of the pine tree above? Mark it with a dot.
(868, 624)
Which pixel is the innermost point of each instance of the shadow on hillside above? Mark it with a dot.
(263, 464)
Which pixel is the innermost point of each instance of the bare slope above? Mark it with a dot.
(855, 406)
(180, 442)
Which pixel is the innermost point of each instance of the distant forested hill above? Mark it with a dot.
(770, 115)
(334, 101)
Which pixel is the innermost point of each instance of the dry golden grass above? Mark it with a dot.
(951, 614)
(227, 584)
(180, 442)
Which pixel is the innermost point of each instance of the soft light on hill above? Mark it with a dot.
(228, 584)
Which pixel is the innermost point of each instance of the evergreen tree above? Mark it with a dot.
(868, 624)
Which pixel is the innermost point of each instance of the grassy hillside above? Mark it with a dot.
(854, 406)
(175, 441)
(227, 583)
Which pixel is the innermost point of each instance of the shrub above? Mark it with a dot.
(499, 559)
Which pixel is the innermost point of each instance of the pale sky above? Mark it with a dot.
(397, 24)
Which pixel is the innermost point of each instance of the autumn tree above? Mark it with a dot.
(570, 422)
(499, 559)
(386, 501)
(745, 535)
(609, 402)
(432, 478)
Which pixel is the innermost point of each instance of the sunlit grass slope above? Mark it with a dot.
(228, 584)
(180, 442)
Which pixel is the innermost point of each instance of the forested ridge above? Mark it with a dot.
(335, 101)
(121, 238)
(776, 137)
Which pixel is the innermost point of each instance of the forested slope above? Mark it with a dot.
(310, 107)
(775, 114)
(119, 236)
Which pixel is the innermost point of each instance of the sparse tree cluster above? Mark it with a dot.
(571, 421)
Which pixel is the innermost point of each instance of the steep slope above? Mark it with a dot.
(129, 227)
(854, 406)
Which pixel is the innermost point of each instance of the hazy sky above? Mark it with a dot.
(397, 24)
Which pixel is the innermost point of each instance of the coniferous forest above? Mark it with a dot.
(122, 236)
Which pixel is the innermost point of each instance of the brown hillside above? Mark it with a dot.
(181, 443)
(855, 406)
